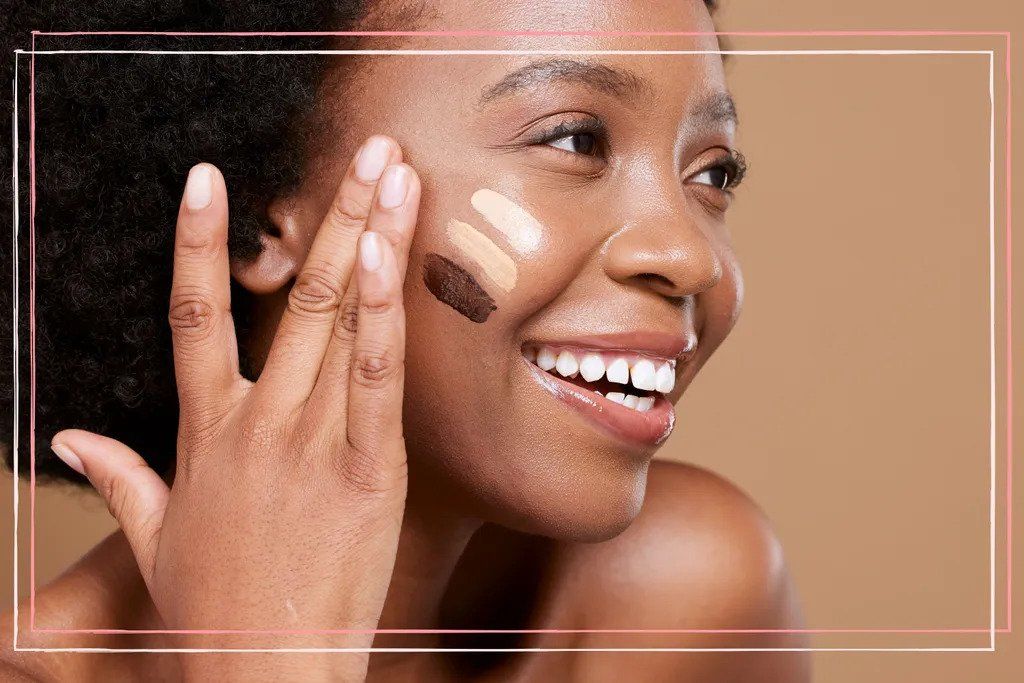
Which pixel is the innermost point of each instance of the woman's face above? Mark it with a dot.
(572, 208)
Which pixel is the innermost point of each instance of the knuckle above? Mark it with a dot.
(191, 314)
(316, 289)
(375, 367)
(194, 243)
(349, 213)
(348, 319)
(377, 307)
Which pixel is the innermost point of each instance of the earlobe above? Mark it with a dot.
(283, 253)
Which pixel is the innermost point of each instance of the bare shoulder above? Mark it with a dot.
(102, 589)
(701, 555)
(15, 666)
(702, 551)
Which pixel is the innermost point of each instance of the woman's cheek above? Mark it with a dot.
(719, 307)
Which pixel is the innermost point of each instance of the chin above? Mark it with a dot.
(585, 505)
(520, 456)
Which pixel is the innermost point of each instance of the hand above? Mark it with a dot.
(288, 494)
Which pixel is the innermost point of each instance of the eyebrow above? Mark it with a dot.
(619, 83)
(718, 108)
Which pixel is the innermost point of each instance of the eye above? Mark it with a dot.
(582, 135)
(578, 143)
(724, 175)
(719, 177)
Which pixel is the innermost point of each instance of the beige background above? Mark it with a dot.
(852, 401)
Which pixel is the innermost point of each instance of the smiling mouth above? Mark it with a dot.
(629, 379)
(621, 393)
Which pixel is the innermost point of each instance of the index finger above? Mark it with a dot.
(202, 329)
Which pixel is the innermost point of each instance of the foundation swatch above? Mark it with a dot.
(455, 287)
(495, 263)
(522, 230)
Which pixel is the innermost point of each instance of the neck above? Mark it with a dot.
(433, 538)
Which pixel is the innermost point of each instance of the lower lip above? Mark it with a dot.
(649, 428)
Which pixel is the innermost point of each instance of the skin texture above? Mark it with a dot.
(501, 501)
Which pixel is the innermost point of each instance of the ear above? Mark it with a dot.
(284, 248)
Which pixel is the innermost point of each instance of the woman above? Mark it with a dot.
(468, 451)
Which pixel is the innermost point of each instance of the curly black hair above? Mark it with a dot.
(115, 137)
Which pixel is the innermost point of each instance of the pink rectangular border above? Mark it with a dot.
(469, 33)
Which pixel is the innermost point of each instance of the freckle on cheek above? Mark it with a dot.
(455, 287)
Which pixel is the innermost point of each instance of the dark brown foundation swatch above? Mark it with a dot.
(454, 286)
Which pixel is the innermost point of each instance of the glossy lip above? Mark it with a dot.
(654, 344)
(646, 429)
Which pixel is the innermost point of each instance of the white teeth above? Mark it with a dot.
(645, 374)
(618, 371)
(566, 364)
(665, 380)
(642, 375)
(639, 403)
(546, 359)
(592, 367)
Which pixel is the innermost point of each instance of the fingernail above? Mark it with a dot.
(199, 188)
(394, 186)
(370, 255)
(372, 159)
(69, 457)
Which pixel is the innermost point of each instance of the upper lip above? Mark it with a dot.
(665, 345)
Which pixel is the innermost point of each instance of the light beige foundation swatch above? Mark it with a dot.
(496, 264)
(522, 230)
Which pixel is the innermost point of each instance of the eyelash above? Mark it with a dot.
(567, 129)
(734, 164)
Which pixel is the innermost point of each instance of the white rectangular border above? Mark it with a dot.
(992, 347)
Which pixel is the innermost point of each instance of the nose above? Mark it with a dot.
(666, 254)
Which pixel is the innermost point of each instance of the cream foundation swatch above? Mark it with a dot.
(496, 264)
(522, 230)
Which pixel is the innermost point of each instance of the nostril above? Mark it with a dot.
(655, 280)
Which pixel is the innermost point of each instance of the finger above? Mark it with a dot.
(202, 330)
(134, 493)
(304, 332)
(393, 216)
(395, 210)
(374, 425)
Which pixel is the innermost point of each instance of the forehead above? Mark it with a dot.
(534, 26)
(418, 94)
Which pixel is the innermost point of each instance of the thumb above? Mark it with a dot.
(135, 495)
